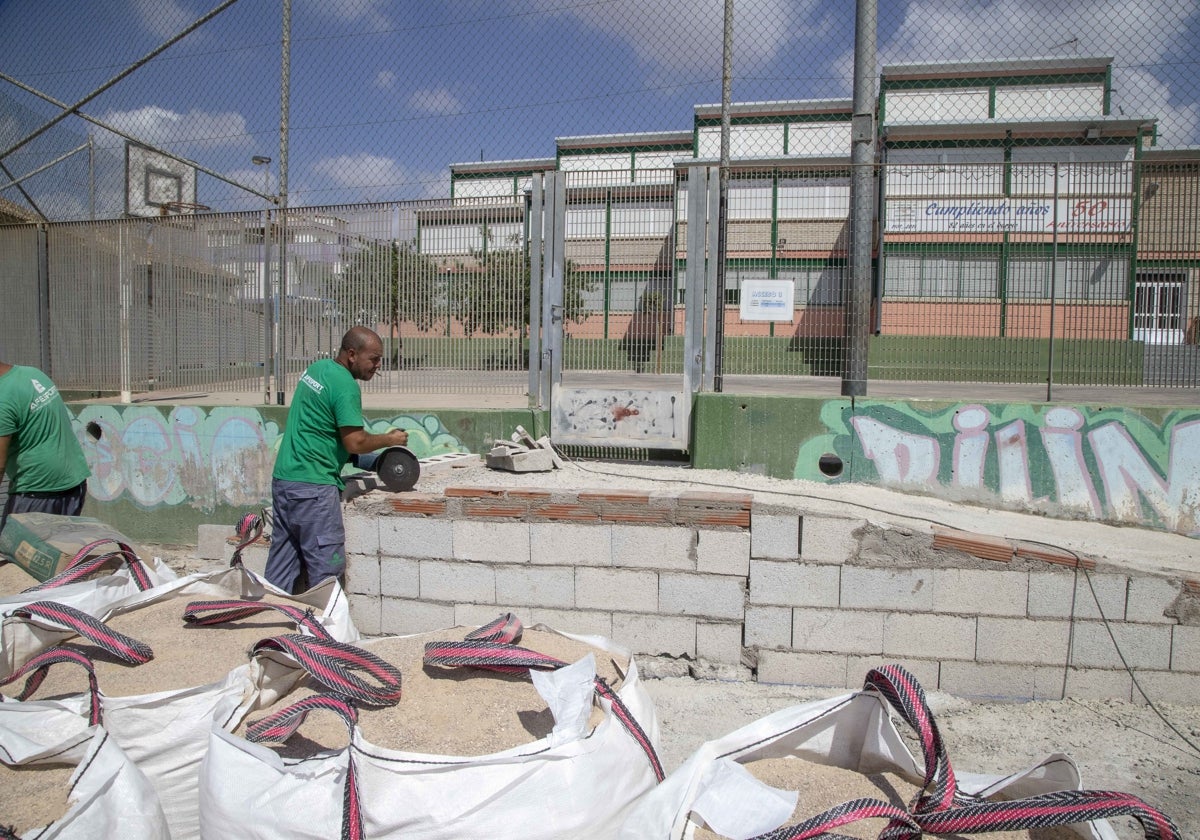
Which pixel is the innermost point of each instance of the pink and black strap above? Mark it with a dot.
(83, 566)
(125, 648)
(507, 629)
(249, 530)
(37, 668)
(209, 613)
(901, 825)
(337, 665)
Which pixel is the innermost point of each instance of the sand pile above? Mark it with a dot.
(821, 787)
(34, 796)
(14, 579)
(448, 711)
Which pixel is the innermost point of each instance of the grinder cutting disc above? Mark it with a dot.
(398, 469)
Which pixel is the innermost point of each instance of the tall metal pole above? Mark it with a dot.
(285, 86)
(862, 201)
(718, 336)
(1053, 291)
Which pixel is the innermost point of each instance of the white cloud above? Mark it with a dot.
(361, 13)
(164, 18)
(197, 129)
(369, 177)
(435, 101)
(385, 79)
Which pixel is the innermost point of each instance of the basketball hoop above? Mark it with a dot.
(181, 208)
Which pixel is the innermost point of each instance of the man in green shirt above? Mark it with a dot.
(324, 428)
(39, 452)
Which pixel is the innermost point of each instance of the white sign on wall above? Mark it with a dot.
(1022, 215)
(768, 300)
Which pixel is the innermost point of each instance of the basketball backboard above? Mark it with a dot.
(155, 184)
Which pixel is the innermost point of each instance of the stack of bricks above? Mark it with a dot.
(718, 579)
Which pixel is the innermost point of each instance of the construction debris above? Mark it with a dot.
(523, 454)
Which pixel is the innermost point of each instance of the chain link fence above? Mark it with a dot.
(1036, 182)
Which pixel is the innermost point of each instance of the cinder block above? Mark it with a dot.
(926, 671)
(1097, 684)
(828, 539)
(568, 544)
(837, 631)
(990, 681)
(210, 541)
(402, 616)
(254, 558)
(774, 536)
(457, 582)
(407, 536)
(365, 612)
(654, 635)
(980, 592)
(781, 667)
(1023, 641)
(1142, 646)
(399, 578)
(651, 547)
(1167, 687)
(723, 552)
(713, 596)
(768, 627)
(491, 542)
(794, 584)
(362, 532)
(581, 622)
(886, 589)
(362, 574)
(1185, 649)
(719, 642)
(616, 589)
(1062, 595)
(1149, 598)
(928, 636)
(536, 586)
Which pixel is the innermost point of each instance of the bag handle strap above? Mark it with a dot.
(125, 648)
(38, 666)
(337, 665)
(209, 613)
(249, 530)
(82, 565)
(507, 629)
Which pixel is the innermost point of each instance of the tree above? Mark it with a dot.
(390, 282)
(492, 296)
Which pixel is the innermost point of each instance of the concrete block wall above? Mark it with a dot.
(771, 593)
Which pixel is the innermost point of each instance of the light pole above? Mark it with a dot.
(269, 305)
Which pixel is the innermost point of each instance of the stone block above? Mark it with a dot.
(828, 539)
(1066, 594)
(652, 547)
(631, 590)
(362, 532)
(366, 613)
(566, 544)
(531, 460)
(719, 642)
(399, 577)
(980, 592)
(210, 541)
(794, 584)
(774, 536)
(837, 631)
(887, 589)
(655, 635)
(768, 627)
(1097, 684)
(1023, 641)
(491, 542)
(989, 681)
(457, 582)
(402, 616)
(1142, 646)
(781, 667)
(254, 558)
(928, 636)
(477, 615)
(1148, 599)
(1167, 687)
(723, 552)
(362, 574)
(408, 536)
(1185, 649)
(580, 622)
(712, 596)
(536, 586)
(927, 671)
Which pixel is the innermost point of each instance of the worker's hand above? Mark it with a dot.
(397, 437)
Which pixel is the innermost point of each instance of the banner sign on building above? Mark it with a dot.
(768, 300)
(1011, 215)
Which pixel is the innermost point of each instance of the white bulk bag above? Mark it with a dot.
(571, 783)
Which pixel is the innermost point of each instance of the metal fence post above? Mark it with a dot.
(862, 210)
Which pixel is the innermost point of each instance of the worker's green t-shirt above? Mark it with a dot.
(44, 456)
(326, 397)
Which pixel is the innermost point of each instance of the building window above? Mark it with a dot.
(942, 275)
(1077, 278)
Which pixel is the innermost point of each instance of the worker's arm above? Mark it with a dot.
(4, 439)
(358, 441)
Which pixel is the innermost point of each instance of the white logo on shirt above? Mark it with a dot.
(37, 386)
(312, 383)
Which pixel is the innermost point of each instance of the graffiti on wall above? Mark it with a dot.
(205, 457)
(1105, 464)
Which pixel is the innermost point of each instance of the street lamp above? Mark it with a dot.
(264, 161)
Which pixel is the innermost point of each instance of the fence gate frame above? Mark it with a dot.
(618, 417)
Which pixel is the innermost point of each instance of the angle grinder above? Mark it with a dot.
(397, 467)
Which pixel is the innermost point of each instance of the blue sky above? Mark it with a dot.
(386, 94)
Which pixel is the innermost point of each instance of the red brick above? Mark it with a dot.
(573, 513)
(1192, 586)
(615, 496)
(1053, 554)
(495, 510)
(423, 503)
(530, 495)
(738, 519)
(979, 545)
(708, 497)
(475, 492)
(654, 516)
